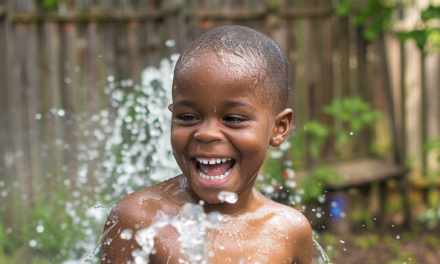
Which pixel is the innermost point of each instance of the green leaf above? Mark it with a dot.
(343, 7)
(432, 12)
(419, 36)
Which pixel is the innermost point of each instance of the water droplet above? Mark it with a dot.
(398, 237)
(228, 197)
(61, 112)
(127, 234)
(33, 243)
(38, 116)
(110, 78)
(170, 43)
(351, 133)
(40, 229)
(342, 241)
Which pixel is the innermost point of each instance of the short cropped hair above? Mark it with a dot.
(262, 53)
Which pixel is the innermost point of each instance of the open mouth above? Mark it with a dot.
(214, 169)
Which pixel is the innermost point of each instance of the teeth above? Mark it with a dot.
(212, 161)
(214, 178)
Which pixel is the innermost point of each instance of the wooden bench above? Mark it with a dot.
(359, 172)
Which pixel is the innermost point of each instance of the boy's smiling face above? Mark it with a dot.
(219, 117)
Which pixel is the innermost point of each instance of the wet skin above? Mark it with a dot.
(218, 112)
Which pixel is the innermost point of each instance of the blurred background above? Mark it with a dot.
(84, 86)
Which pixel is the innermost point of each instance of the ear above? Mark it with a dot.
(170, 107)
(283, 124)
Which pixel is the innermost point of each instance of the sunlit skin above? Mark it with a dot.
(217, 112)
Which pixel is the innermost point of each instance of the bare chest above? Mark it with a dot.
(232, 242)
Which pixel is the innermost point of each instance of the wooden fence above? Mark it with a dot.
(54, 66)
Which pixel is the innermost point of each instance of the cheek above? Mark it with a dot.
(254, 145)
(179, 140)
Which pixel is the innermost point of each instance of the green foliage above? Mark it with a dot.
(274, 169)
(425, 35)
(315, 182)
(419, 36)
(366, 242)
(362, 216)
(50, 4)
(353, 113)
(432, 241)
(343, 8)
(404, 257)
(432, 12)
(314, 134)
(273, 6)
(375, 18)
(393, 244)
(434, 147)
(329, 239)
(431, 217)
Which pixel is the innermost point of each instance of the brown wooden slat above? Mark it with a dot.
(32, 101)
(17, 88)
(52, 102)
(69, 87)
(360, 171)
(344, 51)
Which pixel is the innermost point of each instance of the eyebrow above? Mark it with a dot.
(185, 103)
(237, 103)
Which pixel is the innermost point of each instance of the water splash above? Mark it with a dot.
(318, 247)
(190, 224)
(228, 197)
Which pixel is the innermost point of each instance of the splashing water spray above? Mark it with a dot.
(191, 224)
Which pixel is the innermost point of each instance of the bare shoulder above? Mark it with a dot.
(136, 211)
(293, 221)
(297, 229)
(140, 208)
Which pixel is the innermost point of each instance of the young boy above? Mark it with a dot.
(229, 95)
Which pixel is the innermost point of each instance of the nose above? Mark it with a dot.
(208, 132)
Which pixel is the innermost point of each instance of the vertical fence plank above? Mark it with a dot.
(69, 88)
(5, 183)
(16, 98)
(53, 130)
(432, 81)
(133, 51)
(413, 99)
(33, 104)
(344, 53)
(327, 74)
